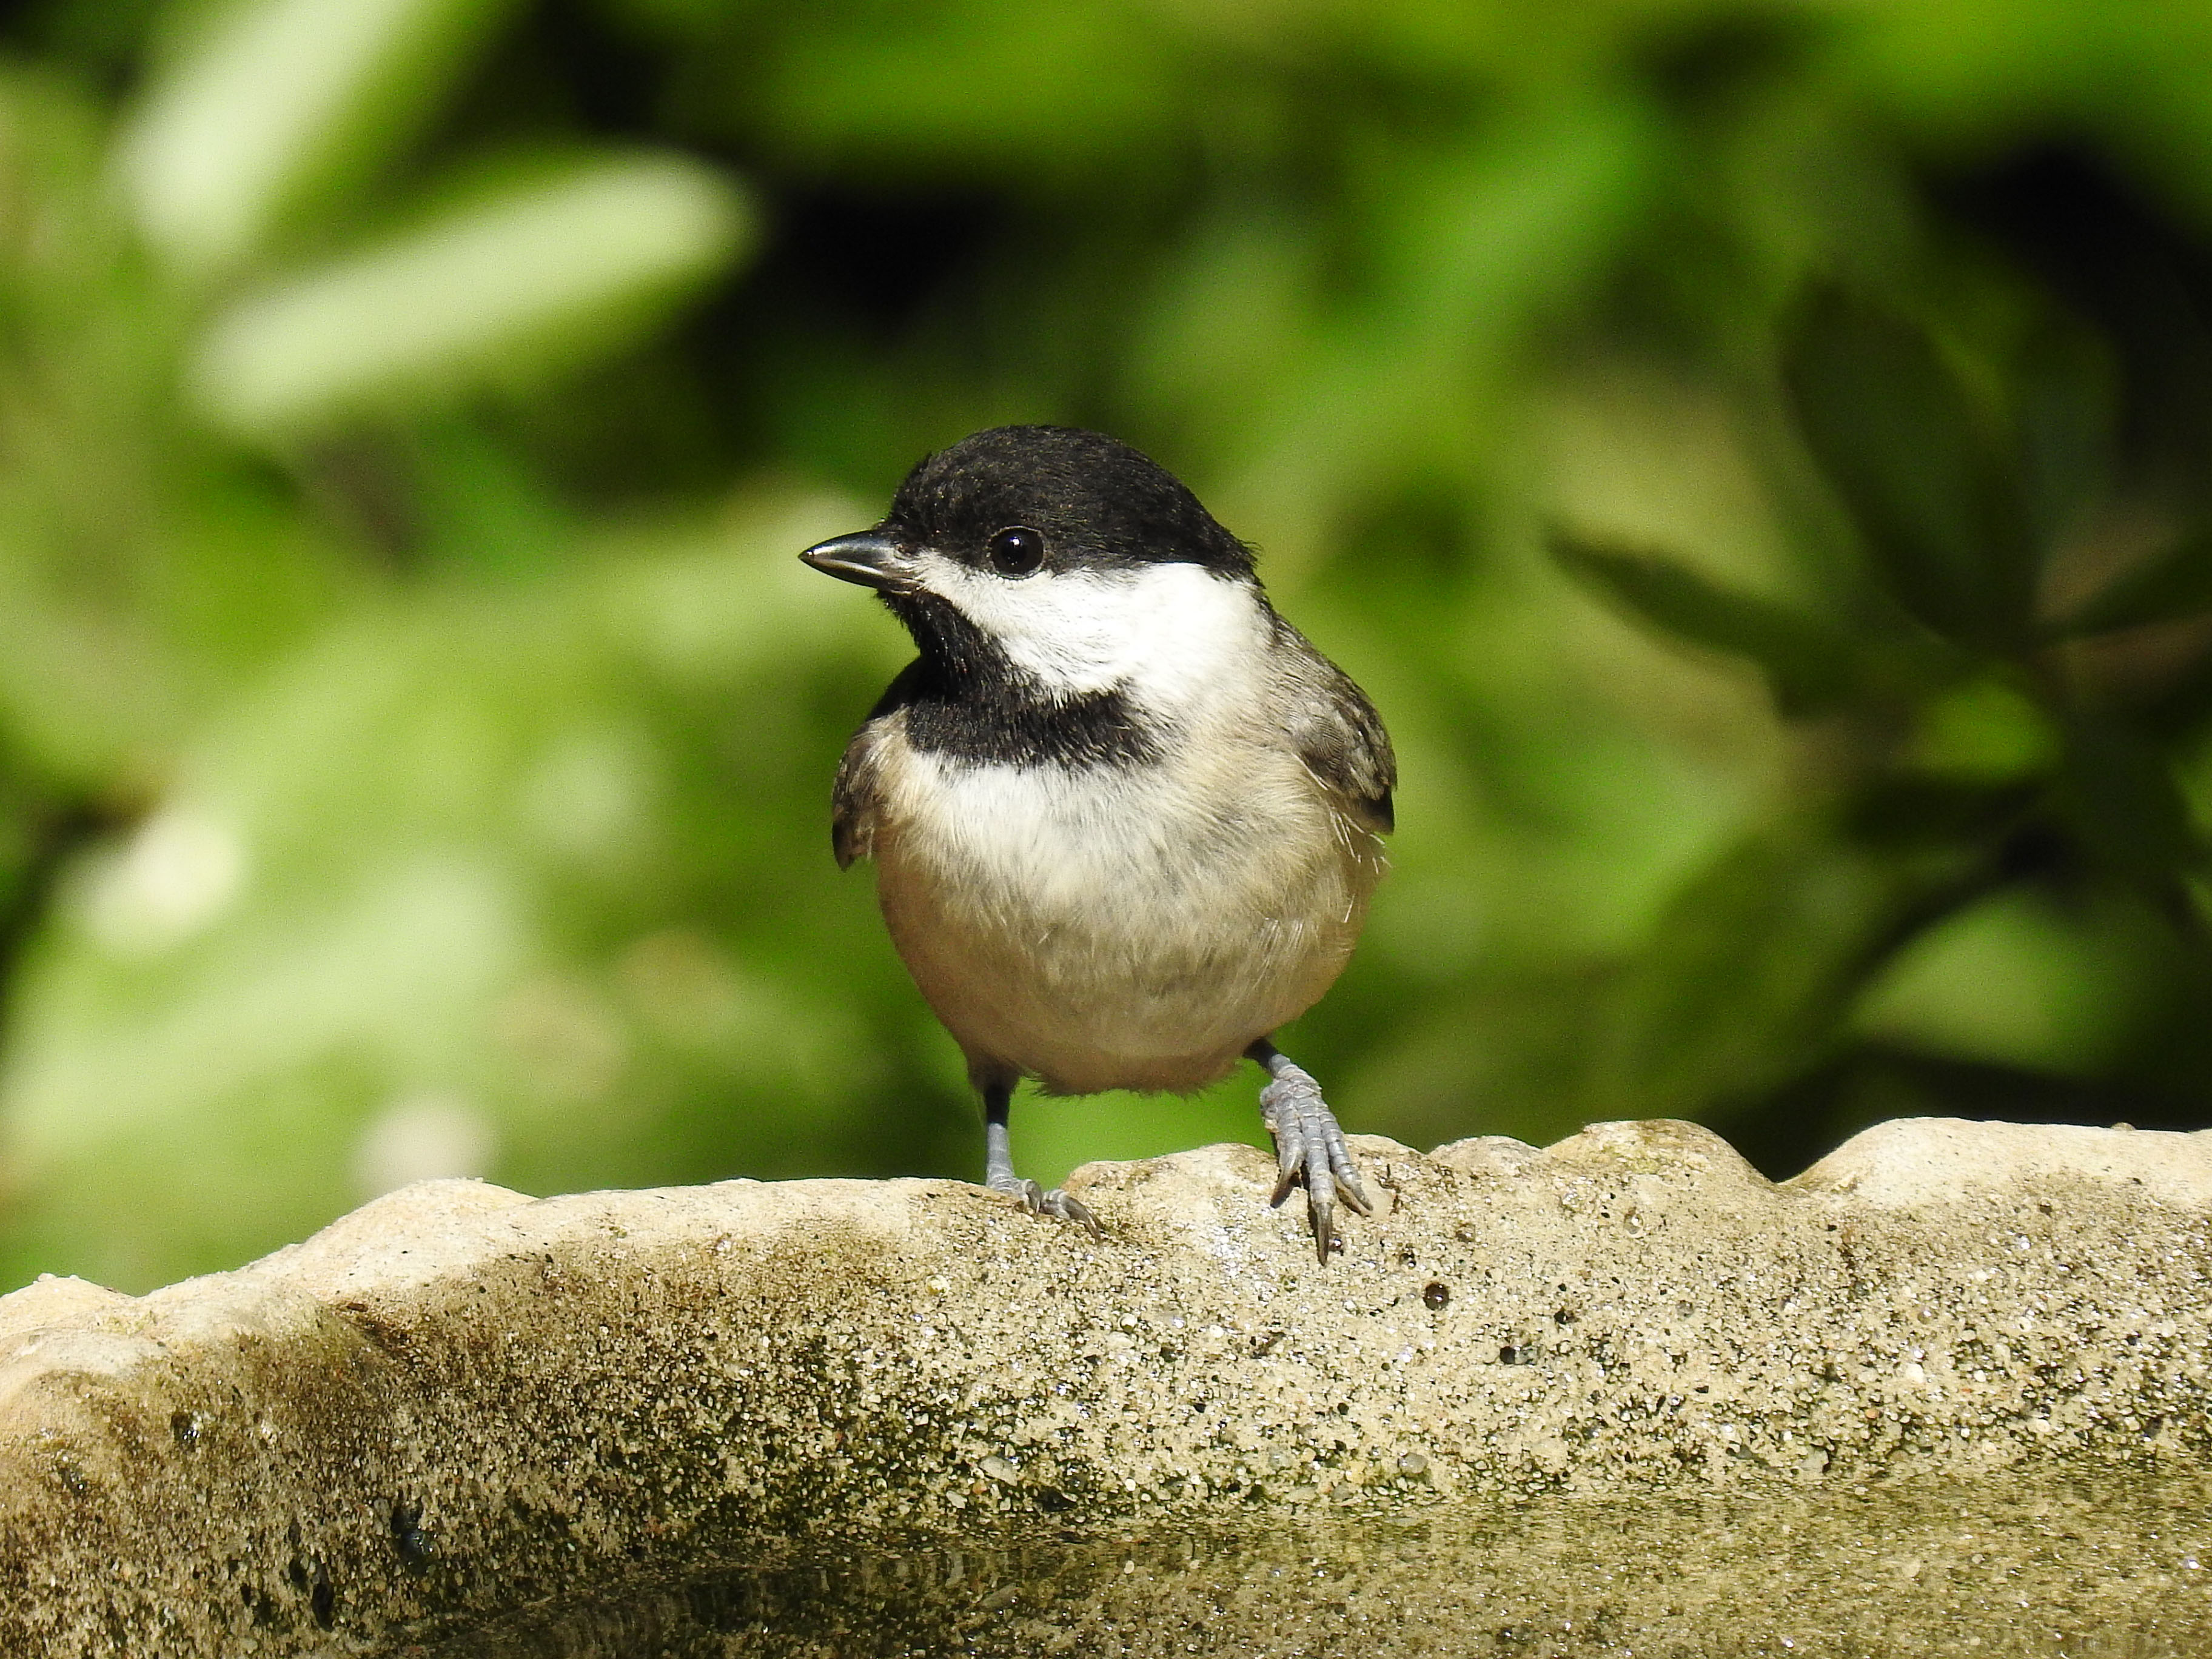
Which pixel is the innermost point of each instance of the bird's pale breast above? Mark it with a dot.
(1114, 927)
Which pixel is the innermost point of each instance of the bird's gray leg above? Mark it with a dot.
(999, 1163)
(1310, 1147)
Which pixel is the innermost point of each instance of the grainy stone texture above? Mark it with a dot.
(457, 1400)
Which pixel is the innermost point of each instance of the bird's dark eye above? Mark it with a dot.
(1015, 551)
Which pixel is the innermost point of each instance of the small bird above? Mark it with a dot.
(1126, 819)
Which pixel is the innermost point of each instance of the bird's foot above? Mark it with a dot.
(1057, 1203)
(1310, 1151)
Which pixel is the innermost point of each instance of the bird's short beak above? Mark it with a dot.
(868, 557)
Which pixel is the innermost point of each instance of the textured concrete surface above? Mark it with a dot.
(459, 1400)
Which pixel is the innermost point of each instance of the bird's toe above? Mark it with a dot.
(1058, 1204)
(1066, 1208)
(1310, 1152)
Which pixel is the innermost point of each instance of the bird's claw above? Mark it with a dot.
(1311, 1152)
(1059, 1204)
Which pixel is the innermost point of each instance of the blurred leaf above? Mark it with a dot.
(2118, 790)
(2067, 396)
(1811, 666)
(143, 573)
(480, 510)
(1472, 242)
(1037, 90)
(274, 98)
(2016, 979)
(1751, 972)
(1909, 814)
(2170, 587)
(1985, 730)
(1940, 511)
(496, 291)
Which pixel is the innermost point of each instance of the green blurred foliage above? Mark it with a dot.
(1755, 455)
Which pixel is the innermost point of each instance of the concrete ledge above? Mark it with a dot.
(457, 1400)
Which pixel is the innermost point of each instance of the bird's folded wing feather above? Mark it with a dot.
(854, 797)
(852, 800)
(1340, 738)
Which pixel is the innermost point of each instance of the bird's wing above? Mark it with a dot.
(854, 797)
(852, 800)
(1338, 736)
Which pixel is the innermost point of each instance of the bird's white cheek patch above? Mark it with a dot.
(1165, 633)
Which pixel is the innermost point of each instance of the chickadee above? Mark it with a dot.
(1124, 819)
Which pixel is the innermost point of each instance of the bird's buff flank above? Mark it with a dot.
(1124, 819)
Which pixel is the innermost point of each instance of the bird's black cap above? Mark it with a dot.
(1099, 503)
